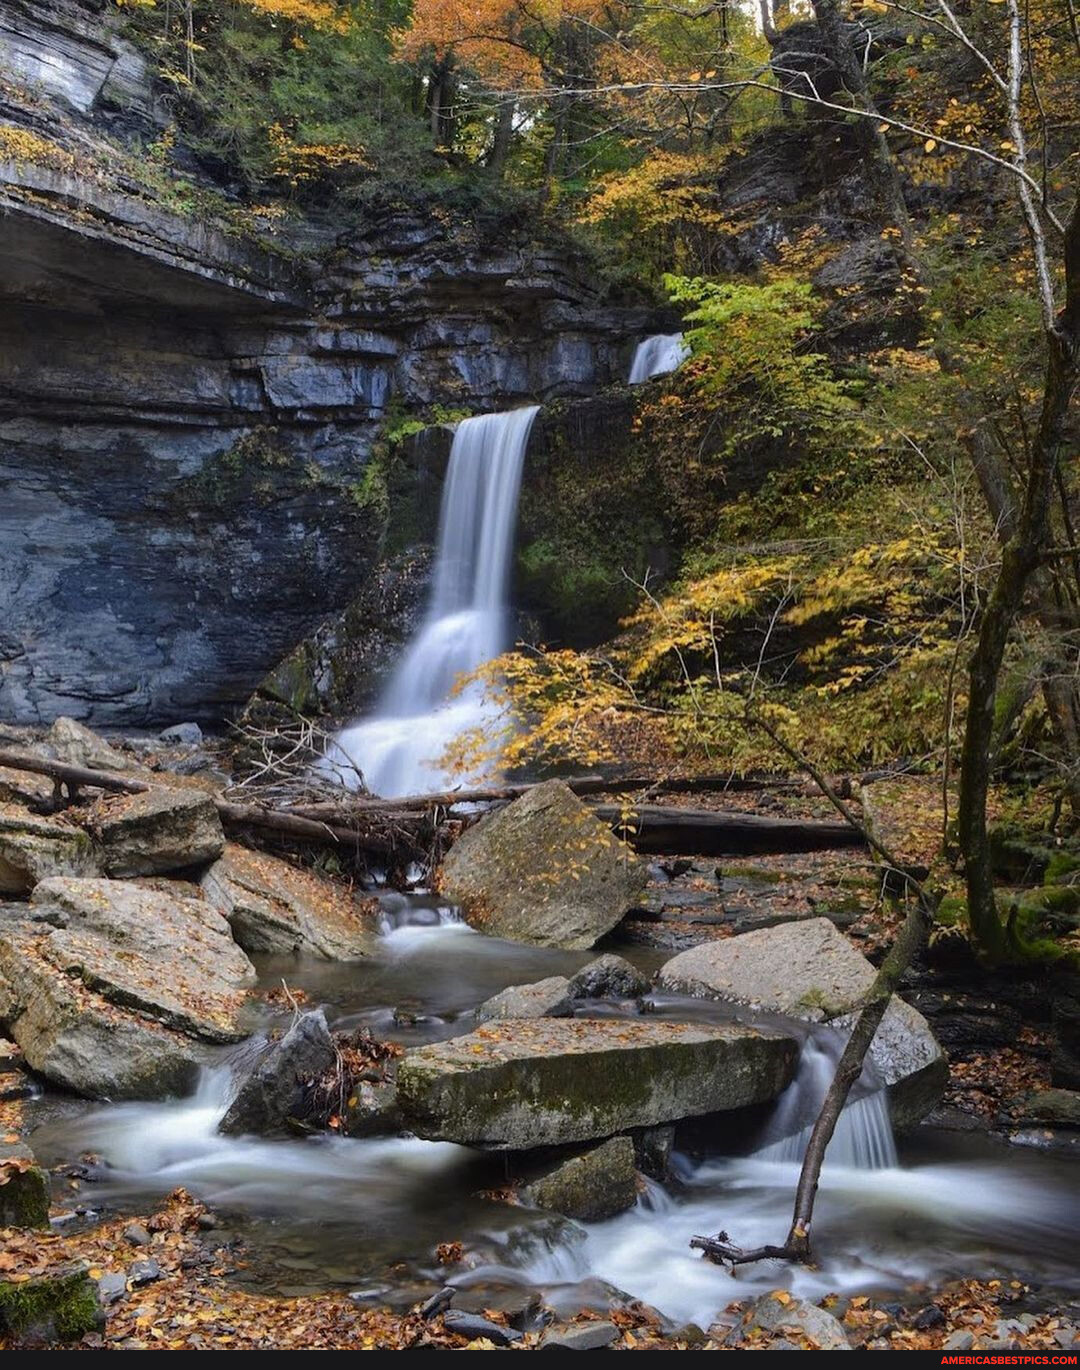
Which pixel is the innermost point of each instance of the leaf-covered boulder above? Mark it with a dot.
(159, 830)
(543, 870)
(109, 988)
(276, 908)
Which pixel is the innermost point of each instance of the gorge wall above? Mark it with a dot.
(188, 402)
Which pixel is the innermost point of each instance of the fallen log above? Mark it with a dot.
(72, 776)
(702, 832)
(582, 785)
(288, 824)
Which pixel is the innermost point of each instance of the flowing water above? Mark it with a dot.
(332, 1212)
(658, 355)
(398, 749)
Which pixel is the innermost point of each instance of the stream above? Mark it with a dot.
(366, 1215)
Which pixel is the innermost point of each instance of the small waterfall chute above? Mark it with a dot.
(398, 749)
(863, 1139)
(657, 355)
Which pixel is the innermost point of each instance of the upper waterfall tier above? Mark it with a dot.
(658, 355)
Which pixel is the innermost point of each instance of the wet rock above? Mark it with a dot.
(136, 1235)
(274, 907)
(609, 977)
(579, 1336)
(930, 1316)
(543, 870)
(1057, 1108)
(144, 1272)
(517, 1303)
(372, 1111)
(549, 998)
(276, 1090)
(779, 1312)
(182, 735)
(112, 1287)
(33, 847)
(146, 948)
(810, 970)
(520, 1084)
(474, 1326)
(595, 1185)
(652, 1149)
(61, 1306)
(24, 1188)
(156, 831)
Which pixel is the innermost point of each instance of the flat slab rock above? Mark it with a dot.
(110, 987)
(521, 1084)
(275, 908)
(810, 970)
(160, 830)
(543, 870)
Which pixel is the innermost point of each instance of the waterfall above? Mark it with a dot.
(657, 355)
(863, 1138)
(398, 748)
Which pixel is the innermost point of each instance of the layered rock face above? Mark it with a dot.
(187, 406)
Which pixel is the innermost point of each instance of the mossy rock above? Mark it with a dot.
(24, 1190)
(1017, 856)
(58, 1307)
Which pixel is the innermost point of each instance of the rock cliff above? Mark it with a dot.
(189, 397)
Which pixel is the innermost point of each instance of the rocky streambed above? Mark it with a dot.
(375, 1096)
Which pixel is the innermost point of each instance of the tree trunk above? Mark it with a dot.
(879, 160)
(502, 137)
(1019, 563)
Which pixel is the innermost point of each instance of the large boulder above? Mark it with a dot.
(276, 1090)
(521, 1084)
(543, 870)
(274, 907)
(595, 1185)
(77, 1039)
(33, 847)
(112, 986)
(810, 970)
(156, 831)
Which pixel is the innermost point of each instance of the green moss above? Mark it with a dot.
(952, 911)
(58, 1307)
(292, 684)
(1060, 865)
(24, 1199)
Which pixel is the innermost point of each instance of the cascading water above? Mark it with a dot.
(398, 749)
(863, 1138)
(656, 356)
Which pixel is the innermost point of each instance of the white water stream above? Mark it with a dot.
(333, 1212)
(398, 749)
(658, 355)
